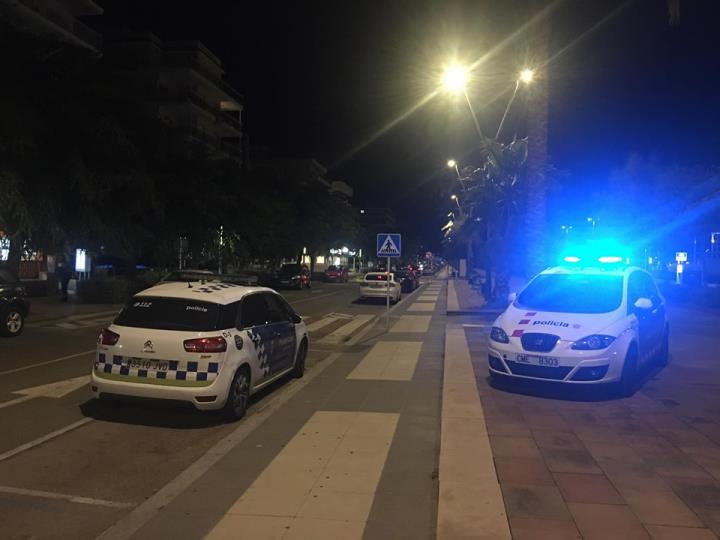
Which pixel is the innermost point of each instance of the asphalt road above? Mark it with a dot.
(58, 443)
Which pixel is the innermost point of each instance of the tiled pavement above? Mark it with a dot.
(352, 455)
(573, 466)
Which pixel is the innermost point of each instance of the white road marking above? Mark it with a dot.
(422, 306)
(327, 473)
(341, 334)
(44, 438)
(452, 298)
(140, 515)
(477, 325)
(53, 390)
(31, 366)
(64, 497)
(326, 320)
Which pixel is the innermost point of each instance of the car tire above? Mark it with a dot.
(238, 395)
(664, 353)
(299, 367)
(12, 323)
(629, 379)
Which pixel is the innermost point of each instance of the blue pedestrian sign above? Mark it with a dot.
(388, 245)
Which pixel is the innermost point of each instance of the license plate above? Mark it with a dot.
(547, 361)
(150, 365)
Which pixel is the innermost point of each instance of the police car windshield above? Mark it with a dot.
(572, 293)
(170, 314)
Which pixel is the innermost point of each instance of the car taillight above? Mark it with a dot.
(108, 337)
(206, 345)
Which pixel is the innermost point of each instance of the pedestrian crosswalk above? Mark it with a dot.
(76, 322)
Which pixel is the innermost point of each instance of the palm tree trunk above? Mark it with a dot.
(535, 218)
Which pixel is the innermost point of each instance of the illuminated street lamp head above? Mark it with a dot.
(454, 79)
(453, 197)
(526, 75)
(451, 163)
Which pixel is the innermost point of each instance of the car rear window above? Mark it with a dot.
(170, 314)
(572, 293)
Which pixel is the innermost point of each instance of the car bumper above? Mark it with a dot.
(198, 396)
(585, 367)
(368, 292)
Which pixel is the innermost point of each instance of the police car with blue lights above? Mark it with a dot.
(205, 341)
(592, 320)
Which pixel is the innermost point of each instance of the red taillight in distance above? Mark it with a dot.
(108, 337)
(206, 345)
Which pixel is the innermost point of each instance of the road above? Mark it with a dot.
(59, 446)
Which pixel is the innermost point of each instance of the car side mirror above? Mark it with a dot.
(512, 297)
(296, 319)
(643, 304)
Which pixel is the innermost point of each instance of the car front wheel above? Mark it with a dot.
(299, 369)
(664, 353)
(629, 379)
(13, 323)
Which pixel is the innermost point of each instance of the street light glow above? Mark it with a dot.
(453, 197)
(526, 75)
(451, 163)
(455, 79)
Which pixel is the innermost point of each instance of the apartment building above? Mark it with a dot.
(180, 82)
(55, 19)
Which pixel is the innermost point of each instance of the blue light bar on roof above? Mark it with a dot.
(610, 259)
(571, 259)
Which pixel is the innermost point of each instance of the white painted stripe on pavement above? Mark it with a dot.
(469, 325)
(15, 401)
(64, 497)
(322, 483)
(325, 321)
(470, 503)
(412, 323)
(422, 306)
(39, 364)
(452, 299)
(345, 331)
(140, 515)
(389, 361)
(44, 438)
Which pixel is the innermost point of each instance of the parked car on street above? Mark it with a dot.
(375, 285)
(14, 306)
(296, 276)
(582, 325)
(336, 273)
(209, 344)
(408, 280)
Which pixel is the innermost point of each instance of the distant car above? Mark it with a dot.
(336, 273)
(209, 344)
(14, 306)
(408, 280)
(296, 276)
(582, 325)
(375, 285)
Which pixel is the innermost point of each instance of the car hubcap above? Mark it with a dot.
(13, 322)
(241, 388)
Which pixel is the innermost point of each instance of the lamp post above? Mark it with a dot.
(526, 77)
(452, 164)
(593, 221)
(457, 201)
(454, 81)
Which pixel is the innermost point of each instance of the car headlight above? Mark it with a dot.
(593, 342)
(499, 335)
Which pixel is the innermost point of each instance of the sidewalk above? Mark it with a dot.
(462, 298)
(50, 308)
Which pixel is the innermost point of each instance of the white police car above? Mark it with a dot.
(209, 343)
(582, 325)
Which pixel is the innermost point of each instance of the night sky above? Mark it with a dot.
(322, 79)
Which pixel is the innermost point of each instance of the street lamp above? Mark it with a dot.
(526, 77)
(457, 201)
(453, 165)
(454, 81)
(593, 221)
(566, 229)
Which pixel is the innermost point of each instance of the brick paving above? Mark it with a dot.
(573, 466)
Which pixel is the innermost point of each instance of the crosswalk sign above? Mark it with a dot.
(388, 245)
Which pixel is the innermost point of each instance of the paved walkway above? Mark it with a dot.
(596, 467)
(462, 298)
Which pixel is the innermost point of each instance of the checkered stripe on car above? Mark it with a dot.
(177, 371)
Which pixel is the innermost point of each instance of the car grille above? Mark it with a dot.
(538, 342)
(541, 372)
